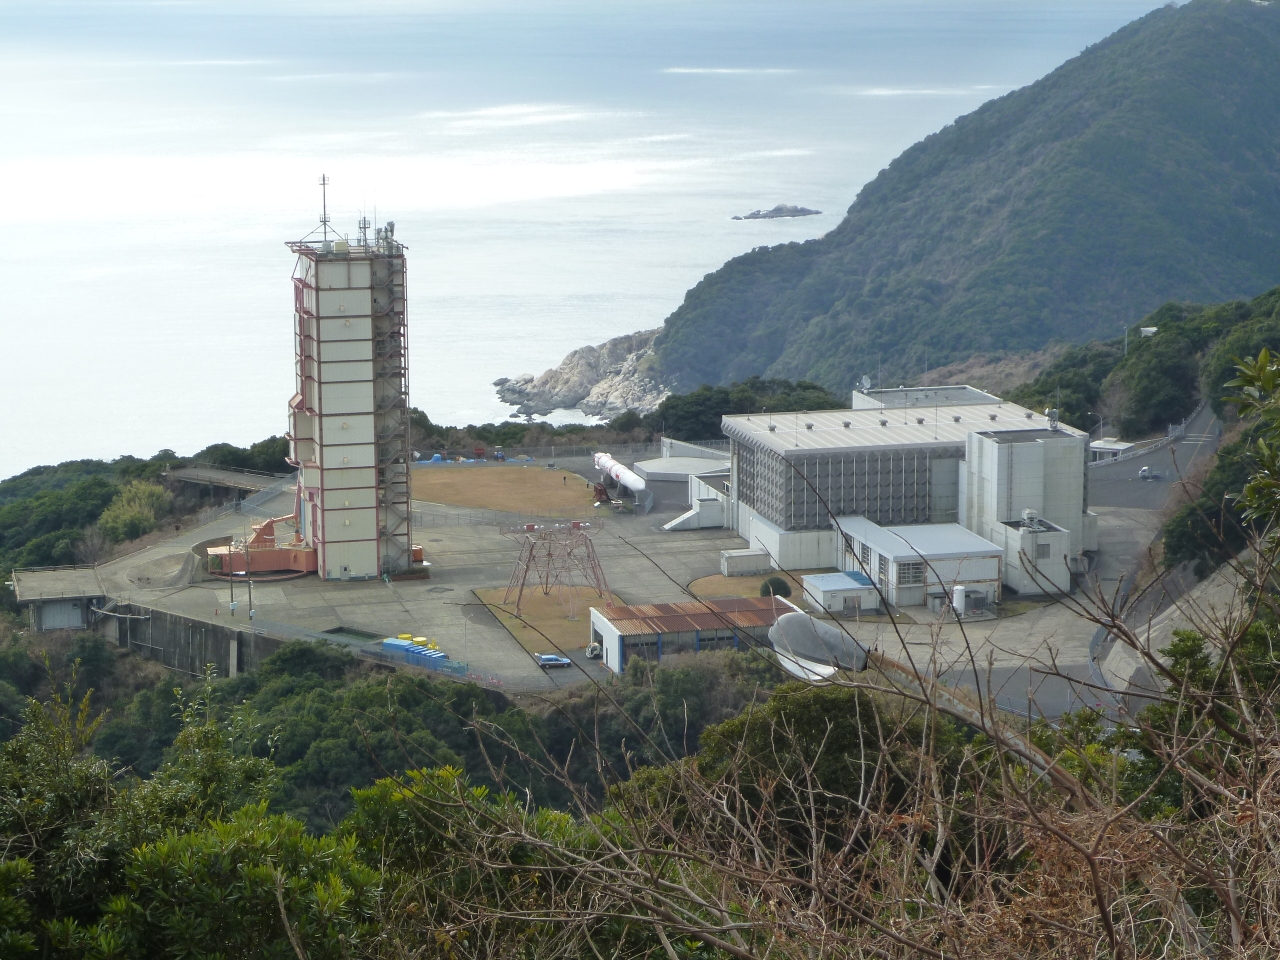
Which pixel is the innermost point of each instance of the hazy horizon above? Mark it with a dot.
(560, 172)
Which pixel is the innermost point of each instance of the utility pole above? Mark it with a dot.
(248, 575)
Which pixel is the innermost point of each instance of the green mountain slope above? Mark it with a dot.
(1145, 170)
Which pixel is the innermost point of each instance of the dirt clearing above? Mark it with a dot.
(507, 487)
(547, 614)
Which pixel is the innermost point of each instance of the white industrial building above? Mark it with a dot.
(349, 418)
(922, 564)
(981, 491)
(850, 593)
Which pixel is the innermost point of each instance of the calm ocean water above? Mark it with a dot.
(561, 172)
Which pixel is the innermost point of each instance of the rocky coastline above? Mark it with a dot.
(780, 211)
(603, 380)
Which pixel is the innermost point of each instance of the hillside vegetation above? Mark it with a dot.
(1142, 171)
(73, 511)
(1159, 379)
(1192, 357)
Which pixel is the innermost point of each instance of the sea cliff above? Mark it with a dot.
(604, 380)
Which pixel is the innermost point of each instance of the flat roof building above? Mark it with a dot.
(911, 563)
(905, 459)
(850, 592)
(59, 598)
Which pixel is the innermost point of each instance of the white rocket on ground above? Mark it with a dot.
(620, 473)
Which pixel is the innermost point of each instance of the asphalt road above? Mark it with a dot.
(1117, 484)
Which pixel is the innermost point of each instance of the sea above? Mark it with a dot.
(561, 173)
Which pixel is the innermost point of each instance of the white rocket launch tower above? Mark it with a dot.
(349, 419)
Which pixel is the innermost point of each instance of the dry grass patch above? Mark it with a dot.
(548, 614)
(508, 487)
(993, 372)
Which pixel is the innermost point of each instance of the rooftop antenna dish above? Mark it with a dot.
(865, 382)
(324, 204)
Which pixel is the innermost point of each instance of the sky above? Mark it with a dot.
(561, 173)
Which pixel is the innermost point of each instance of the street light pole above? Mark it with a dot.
(248, 575)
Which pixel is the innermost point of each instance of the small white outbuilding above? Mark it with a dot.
(848, 592)
(912, 563)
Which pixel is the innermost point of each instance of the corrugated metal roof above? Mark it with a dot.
(942, 426)
(740, 612)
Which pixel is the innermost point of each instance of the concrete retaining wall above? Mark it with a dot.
(188, 645)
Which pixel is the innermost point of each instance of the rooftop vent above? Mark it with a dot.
(808, 426)
(919, 419)
(1030, 414)
(956, 418)
(884, 422)
(846, 424)
(992, 416)
(772, 427)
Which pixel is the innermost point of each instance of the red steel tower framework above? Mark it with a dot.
(559, 558)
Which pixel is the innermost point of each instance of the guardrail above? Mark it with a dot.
(466, 516)
(568, 450)
(1176, 432)
(244, 470)
(64, 566)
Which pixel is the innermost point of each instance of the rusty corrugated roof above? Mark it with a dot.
(741, 612)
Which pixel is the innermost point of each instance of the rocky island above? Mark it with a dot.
(604, 380)
(781, 210)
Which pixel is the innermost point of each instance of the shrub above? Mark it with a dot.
(135, 511)
(775, 587)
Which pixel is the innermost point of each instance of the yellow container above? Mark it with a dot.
(420, 641)
(405, 636)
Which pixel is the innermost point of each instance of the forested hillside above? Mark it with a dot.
(1154, 381)
(1144, 170)
(72, 512)
(1191, 357)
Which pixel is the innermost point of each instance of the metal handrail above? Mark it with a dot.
(245, 470)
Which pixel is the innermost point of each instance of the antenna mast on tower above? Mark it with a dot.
(324, 204)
